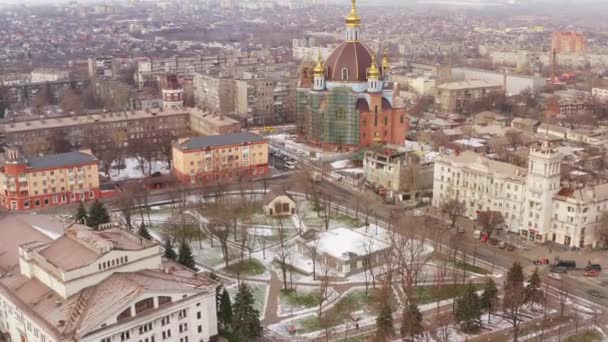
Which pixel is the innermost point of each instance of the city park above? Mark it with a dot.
(307, 267)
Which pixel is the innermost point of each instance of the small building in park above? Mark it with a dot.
(344, 251)
(279, 203)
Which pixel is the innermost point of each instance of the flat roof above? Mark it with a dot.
(197, 143)
(469, 85)
(61, 160)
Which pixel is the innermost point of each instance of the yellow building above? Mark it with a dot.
(47, 181)
(220, 158)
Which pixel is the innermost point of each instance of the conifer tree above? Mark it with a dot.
(97, 215)
(245, 318)
(412, 322)
(514, 297)
(224, 313)
(169, 251)
(144, 232)
(533, 293)
(384, 321)
(468, 309)
(489, 297)
(81, 214)
(184, 255)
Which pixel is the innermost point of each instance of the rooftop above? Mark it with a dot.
(472, 84)
(344, 244)
(479, 162)
(197, 143)
(54, 161)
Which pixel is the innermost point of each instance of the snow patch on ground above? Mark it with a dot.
(133, 171)
(340, 164)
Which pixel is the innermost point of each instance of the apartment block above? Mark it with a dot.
(454, 97)
(532, 200)
(48, 181)
(221, 158)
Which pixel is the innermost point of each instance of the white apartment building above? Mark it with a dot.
(72, 283)
(48, 75)
(532, 201)
(600, 93)
(307, 50)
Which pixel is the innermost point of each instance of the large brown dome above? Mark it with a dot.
(352, 56)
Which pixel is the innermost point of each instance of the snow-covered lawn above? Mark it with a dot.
(301, 300)
(210, 256)
(132, 170)
(311, 218)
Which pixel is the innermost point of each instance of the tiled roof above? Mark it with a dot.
(61, 160)
(219, 140)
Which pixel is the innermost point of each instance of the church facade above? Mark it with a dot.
(347, 100)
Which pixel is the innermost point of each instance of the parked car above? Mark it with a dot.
(290, 165)
(593, 267)
(460, 230)
(493, 241)
(510, 248)
(567, 264)
(502, 245)
(559, 269)
(555, 276)
(592, 273)
(418, 212)
(477, 234)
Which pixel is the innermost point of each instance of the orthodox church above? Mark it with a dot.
(347, 101)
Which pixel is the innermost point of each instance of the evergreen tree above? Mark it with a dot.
(514, 297)
(384, 321)
(533, 292)
(468, 309)
(412, 322)
(184, 255)
(489, 297)
(169, 251)
(245, 318)
(224, 313)
(97, 215)
(81, 214)
(144, 232)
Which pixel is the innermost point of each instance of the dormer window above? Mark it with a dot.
(345, 74)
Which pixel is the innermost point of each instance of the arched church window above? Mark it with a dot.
(376, 116)
(344, 74)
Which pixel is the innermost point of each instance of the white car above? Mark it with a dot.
(418, 213)
(555, 276)
(290, 165)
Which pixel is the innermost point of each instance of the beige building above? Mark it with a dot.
(44, 75)
(214, 93)
(49, 180)
(213, 124)
(153, 125)
(64, 282)
(399, 171)
(220, 158)
(279, 203)
(454, 97)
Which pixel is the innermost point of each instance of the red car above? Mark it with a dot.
(591, 273)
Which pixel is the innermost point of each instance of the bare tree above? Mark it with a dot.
(37, 145)
(323, 288)
(490, 220)
(410, 248)
(72, 102)
(282, 251)
(453, 209)
(368, 264)
(514, 297)
(325, 209)
(514, 137)
(125, 202)
(313, 248)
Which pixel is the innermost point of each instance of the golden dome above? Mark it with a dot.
(373, 72)
(386, 65)
(319, 69)
(353, 19)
